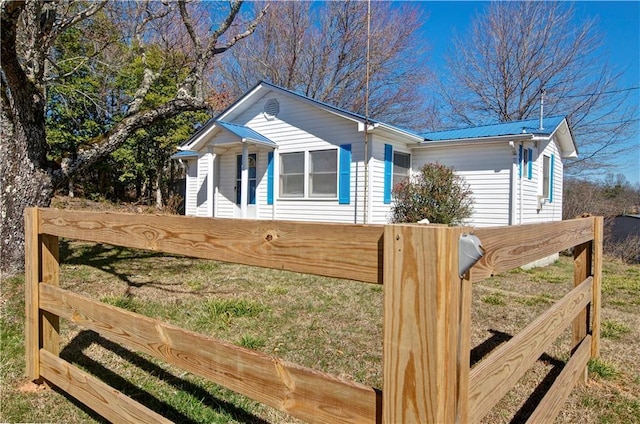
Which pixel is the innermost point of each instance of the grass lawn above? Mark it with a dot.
(323, 323)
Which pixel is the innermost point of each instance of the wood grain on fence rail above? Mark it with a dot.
(301, 392)
(336, 250)
(556, 396)
(494, 376)
(510, 247)
(102, 398)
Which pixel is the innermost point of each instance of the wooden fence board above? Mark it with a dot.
(301, 392)
(582, 255)
(597, 286)
(421, 324)
(31, 281)
(336, 250)
(510, 247)
(492, 378)
(50, 329)
(105, 400)
(557, 395)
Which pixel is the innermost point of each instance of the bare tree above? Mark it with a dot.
(320, 50)
(29, 30)
(515, 52)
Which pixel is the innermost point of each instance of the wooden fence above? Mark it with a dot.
(427, 313)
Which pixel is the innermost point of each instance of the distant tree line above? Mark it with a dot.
(611, 197)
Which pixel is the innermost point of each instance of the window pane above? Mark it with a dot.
(323, 176)
(401, 162)
(292, 185)
(324, 161)
(292, 163)
(323, 185)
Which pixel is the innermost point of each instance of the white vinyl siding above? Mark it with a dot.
(487, 170)
(550, 211)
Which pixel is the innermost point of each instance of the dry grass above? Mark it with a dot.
(323, 323)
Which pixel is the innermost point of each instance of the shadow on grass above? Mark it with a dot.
(107, 257)
(74, 353)
(529, 406)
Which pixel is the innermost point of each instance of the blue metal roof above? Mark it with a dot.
(184, 154)
(245, 133)
(529, 126)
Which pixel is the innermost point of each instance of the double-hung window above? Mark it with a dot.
(401, 167)
(311, 174)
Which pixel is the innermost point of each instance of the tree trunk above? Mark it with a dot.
(24, 184)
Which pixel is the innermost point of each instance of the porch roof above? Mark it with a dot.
(246, 133)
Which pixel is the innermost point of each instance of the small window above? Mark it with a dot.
(546, 177)
(323, 173)
(292, 174)
(401, 167)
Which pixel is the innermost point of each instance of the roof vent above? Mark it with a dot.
(271, 109)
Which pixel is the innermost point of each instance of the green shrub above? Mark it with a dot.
(434, 193)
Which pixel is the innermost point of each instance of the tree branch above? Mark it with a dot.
(108, 143)
(80, 16)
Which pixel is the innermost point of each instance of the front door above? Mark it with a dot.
(251, 199)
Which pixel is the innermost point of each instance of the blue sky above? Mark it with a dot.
(619, 21)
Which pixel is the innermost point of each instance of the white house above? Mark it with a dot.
(276, 154)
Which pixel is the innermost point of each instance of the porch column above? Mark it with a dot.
(244, 183)
(210, 178)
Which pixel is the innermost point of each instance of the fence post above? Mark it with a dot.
(581, 270)
(596, 303)
(41, 265)
(31, 279)
(421, 324)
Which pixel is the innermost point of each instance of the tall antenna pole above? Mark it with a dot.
(542, 93)
(366, 119)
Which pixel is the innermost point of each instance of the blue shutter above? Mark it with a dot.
(388, 172)
(551, 179)
(530, 164)
(344, 182)
(270, 178)
(520, 161)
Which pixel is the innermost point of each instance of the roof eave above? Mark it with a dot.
(566, 143)
(477, 140)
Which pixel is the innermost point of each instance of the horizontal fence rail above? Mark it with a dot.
(301, 392)
(427, 313)
(352, 252)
